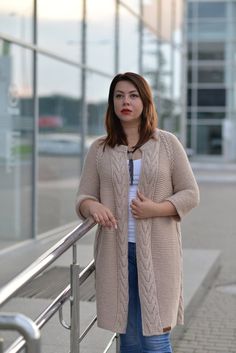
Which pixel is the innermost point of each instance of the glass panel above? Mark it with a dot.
(166, 69)
(97, 95)
(59, 142)
(59, 27)
(211, 75)
(211, 115)
(166, 20)
(100, 35)
(16, 18)
(129, 51)
(178, 10)
(233, 78)
(176, 76)
(189, 97)
(211, 97)
(211, 9)
(192, 8)
(190, 75)
(150, 12)
(192, 31)
(212, 31)
(209, 139)
(234, 10)
(133, 5)
(16, 136)
(189, 139)
(150, 59)
(190, 53)
(211, 51)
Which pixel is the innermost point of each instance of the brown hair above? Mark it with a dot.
(115, 132)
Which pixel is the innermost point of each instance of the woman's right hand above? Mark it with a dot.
(101, 214)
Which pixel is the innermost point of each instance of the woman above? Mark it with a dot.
(137, 184)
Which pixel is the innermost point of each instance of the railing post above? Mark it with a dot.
(1, 345)
(75, 304)
(117, 343)
(25, 326)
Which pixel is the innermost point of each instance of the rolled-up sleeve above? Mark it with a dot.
(186, 192)
(89, 185)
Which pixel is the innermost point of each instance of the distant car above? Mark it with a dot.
(60, 144)
(50, 121)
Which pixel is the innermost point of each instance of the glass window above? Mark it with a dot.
(209, 139)
(211, 9)
(165, 63)
(151, 10)
(151, 54)
(129, 44)
(190, 53)
(211, 115)
(189, 137)
(58, 142)
(97, 94)
(189, 97)
(211, 51)
(59, 27)
(166, 19)
(212, 31)
(211, 75)
(134, 5)
(100, 35)
(211, 97)
(16, 142)
(16, 19)
(192, 31)
(191, 9)
(190, 75)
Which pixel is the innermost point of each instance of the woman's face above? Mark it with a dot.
(127, 103)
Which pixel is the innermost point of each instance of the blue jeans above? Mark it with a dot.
(133, 341)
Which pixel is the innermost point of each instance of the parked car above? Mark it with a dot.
(50, 121)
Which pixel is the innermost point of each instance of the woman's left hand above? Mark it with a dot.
(142, 207)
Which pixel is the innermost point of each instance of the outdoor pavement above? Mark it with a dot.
(209, 241)
(212, 327)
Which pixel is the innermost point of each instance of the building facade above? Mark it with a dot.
(211, 80)
(56, 64)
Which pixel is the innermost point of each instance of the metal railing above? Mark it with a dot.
(31, 329)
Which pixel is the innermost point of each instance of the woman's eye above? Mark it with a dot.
(134, 95)
(118, 96)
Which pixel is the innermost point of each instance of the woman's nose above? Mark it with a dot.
(126, 99)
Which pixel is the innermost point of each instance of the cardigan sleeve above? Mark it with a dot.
(89, 185)
(186, 191)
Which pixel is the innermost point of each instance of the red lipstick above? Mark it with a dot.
(125, 111)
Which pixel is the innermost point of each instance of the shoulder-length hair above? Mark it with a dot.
(115, 132)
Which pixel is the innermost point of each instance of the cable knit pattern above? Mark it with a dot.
(119, 175)
(168, 147)
(148, 290)
(165, 175)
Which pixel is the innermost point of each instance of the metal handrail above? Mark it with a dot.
(25, 326)
(44, 261)
(70, 292)
(47, 314)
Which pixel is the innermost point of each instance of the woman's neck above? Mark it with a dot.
(132, 135)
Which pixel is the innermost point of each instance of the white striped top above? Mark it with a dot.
(132, 195)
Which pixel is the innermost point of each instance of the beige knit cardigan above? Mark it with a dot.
(165, 175)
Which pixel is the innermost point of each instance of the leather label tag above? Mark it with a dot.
(166, 329)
